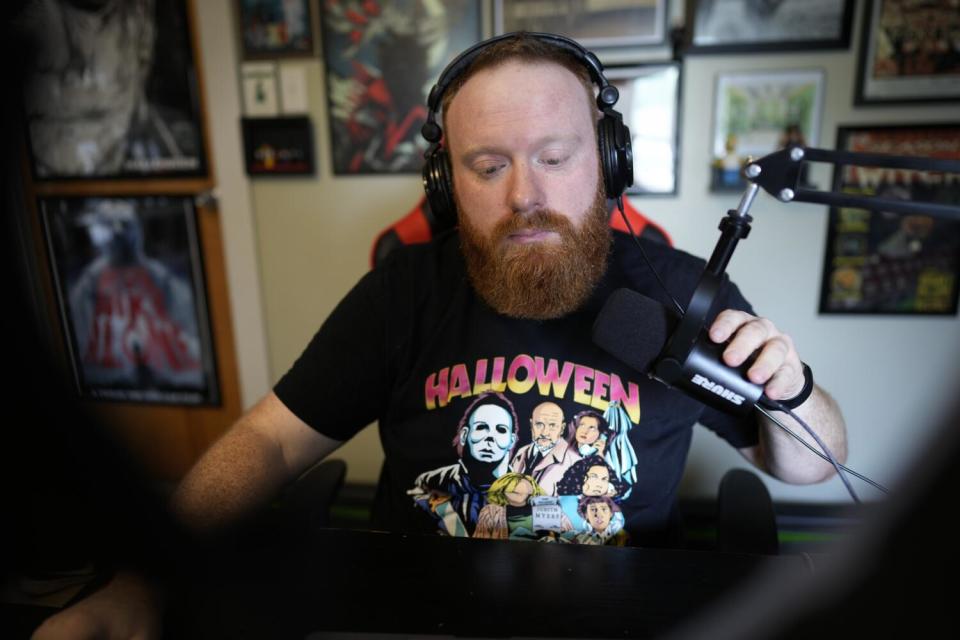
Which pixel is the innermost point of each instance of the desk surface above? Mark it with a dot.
(391, 583)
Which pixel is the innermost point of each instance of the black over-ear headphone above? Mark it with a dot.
(613, 136)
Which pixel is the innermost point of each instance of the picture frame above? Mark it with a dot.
(260, 95)
(617, 23)
(378, 75)
(747, 26)
(650, 105)
(142, 118)
(278, 146)
(131, 295)
(879, 262)
(758, 112)
(909, 54)
(275, 28)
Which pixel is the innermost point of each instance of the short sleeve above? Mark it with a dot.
(339, 382)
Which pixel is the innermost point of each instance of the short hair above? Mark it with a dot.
(586, 501)
(572, 481)
(488, 397)
(522, 47)
(602, 426)
(496, 494)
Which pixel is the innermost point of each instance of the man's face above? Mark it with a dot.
(596, 482)
(599, 515)
(490, 433)
(546, 425)
(588, 430)
(85, 81)
(527, 185)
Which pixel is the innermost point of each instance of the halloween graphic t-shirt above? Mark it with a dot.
(495, 427)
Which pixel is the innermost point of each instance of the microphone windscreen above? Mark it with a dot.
(633, 328)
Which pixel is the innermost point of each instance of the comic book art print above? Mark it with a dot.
(909, 52)
(382, 57)
(558, 472)
(131, 293)
(894, 263)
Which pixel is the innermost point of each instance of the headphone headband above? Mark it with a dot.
(607, 95)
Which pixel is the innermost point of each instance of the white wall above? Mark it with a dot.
(218, 62)
(888, 374)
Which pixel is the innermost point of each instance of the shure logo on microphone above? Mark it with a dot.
(720, 390)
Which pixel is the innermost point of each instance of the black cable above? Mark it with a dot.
(773, 404)
(656, 275)
(874, 484)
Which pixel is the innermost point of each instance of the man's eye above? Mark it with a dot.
(553, 160)
(489, 169)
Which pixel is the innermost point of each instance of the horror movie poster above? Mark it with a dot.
(894, 263)
(130, 285)
(382, 57)
(111, 89)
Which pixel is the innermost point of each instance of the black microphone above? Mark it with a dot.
(639, 331)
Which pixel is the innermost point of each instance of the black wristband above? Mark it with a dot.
(801, 397)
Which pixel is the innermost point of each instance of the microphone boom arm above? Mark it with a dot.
(779, 175)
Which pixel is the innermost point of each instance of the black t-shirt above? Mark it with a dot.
(459, 392)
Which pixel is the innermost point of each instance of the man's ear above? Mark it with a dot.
(463, 436)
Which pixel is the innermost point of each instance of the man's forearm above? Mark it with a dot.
(785, 458)
(241, 472)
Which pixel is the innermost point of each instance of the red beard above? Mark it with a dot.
(538, 281)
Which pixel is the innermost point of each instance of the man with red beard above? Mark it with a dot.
(521, 282)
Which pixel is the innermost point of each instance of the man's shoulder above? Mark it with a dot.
(627, 252)
(439, 256)
(677, 268)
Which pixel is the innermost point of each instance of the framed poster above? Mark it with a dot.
(275, 28)
(112, 93)
(278, 146)
(650, 105)
(615, 23)
(379, 70)
(730, 26)
(909, 52)
(756, 113)
(132, 299)
(881, 262)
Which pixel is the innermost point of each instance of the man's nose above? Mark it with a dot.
(526, 192)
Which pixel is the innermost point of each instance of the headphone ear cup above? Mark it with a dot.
(616, 154)
(438, 185)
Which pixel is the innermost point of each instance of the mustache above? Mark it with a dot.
(539, 220)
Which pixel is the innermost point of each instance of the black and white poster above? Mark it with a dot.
(111, 90)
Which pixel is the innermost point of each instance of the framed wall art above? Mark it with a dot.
(909, 53)
(379, 70)
(113, 94)
(616, 23)
(650, 105)
(278, 146)
(132, 298)
(756, 113)
(880, 262)
(739, 26)
(275, 28)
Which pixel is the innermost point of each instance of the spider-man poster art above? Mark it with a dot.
(382, 57)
